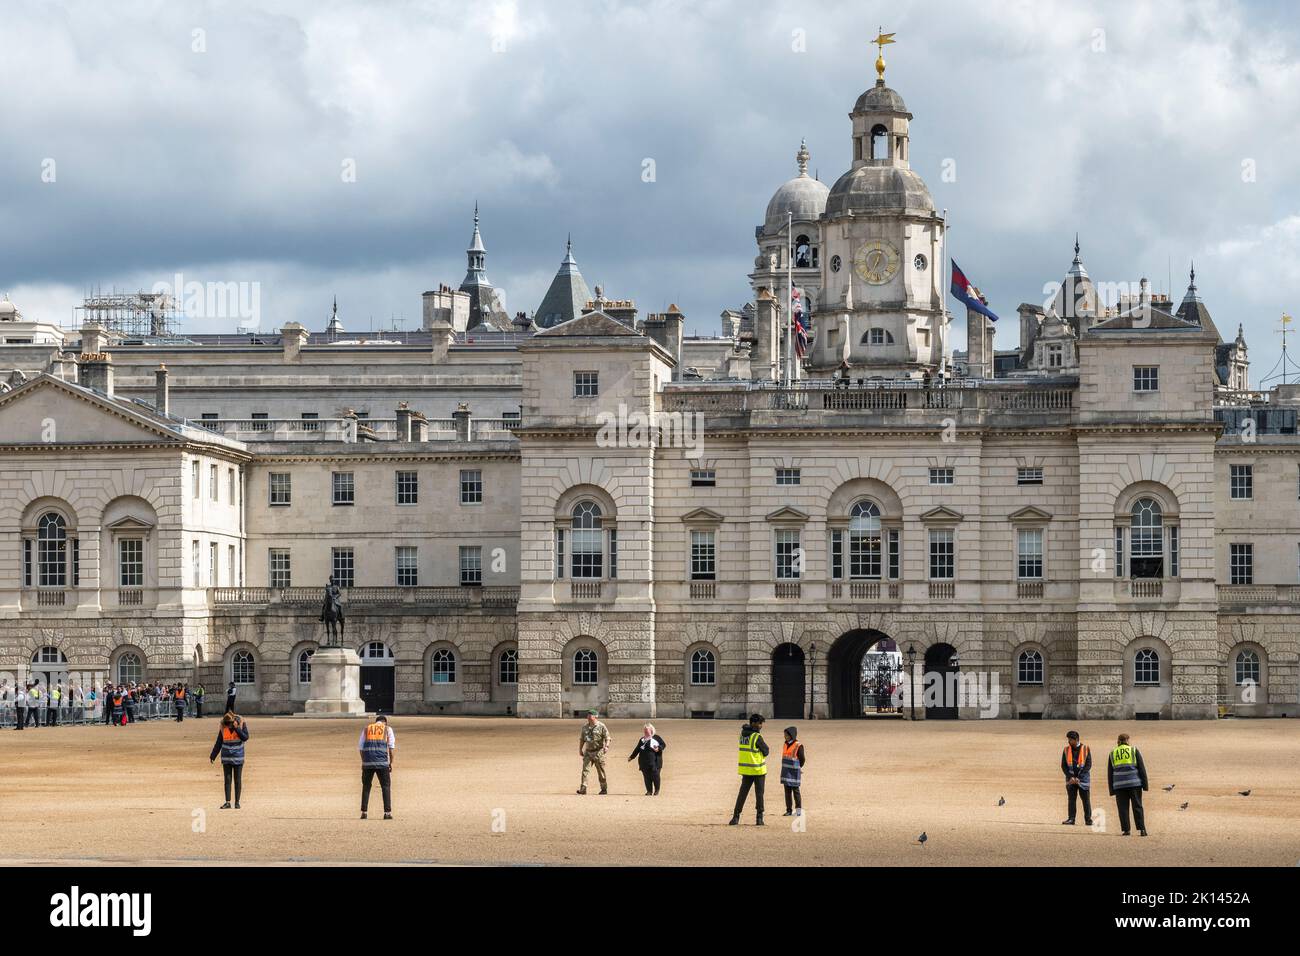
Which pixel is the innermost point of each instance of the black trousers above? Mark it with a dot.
(1074, 792)
(33, 717)
(747, 781)
(53, 714)
(180, 711)
(235, 770)
(198, 706)
(20, 715)
(230, 705)
(651, 778)
(792, 795)
(1126, 798)
(385, 776)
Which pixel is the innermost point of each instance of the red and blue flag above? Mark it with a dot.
(967, 294)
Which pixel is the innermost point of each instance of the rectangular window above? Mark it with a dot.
(941, 476)
(787, 476)
(1241, 563)
(1119, 552)
(1029, 476)
(280, 576)
(260, 422)
(408, 487)
(1055, 356)
(702, 556)
(76, 562)
(230, 481)
(837, 555)
(194, 564)
(1029, 554)
(559, 553)
(613, 553)
(585, 384)
(130, 563)
(588, 556)
(864, 548)
(27, 562)
(208, 420)
(471, 566)
(789, 556)
(52, 560)
(1146, 378)
(212, 482)
(1241, 482)
(234, 567)
(893, 554)
(343, 565)
(1173, 551)
(194, 479)
(703, 478)
(408, 567)
(212, 564)
(344, 487)
(281, 486)
(471, 487)
(943, 565)
(310, 422)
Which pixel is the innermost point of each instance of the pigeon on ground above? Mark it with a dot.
(1244, 793)
(1002, 801)
(922, 838)
(1184, 806)
(1168, 788)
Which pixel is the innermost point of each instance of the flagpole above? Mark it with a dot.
(789, 299)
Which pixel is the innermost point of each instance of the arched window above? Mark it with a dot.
(803, 253)
(508, 667)
(1146, 667)
(878, 337)
(243, 670)
(1146, 555)
(864, 540)
(704, 668)
(49, 655)
(1247, 667)
(304, 665)
(442, 667)
(377, 652)
(587, 544)
(1029, 668)
(130, 669)
(879, 142)
(586, 667)
(52, 551)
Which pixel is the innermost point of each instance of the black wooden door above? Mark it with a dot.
(788, 682)
(378, 685)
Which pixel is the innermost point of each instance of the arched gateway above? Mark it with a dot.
(788, 682)
(861, 667)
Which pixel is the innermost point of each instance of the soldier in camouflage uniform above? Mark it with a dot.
(593, 742)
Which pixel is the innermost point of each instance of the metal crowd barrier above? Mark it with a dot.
(88, 712)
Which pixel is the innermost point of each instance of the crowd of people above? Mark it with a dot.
(36, 704)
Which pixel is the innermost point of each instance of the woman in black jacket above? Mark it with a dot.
(649, 751)
(232, 734)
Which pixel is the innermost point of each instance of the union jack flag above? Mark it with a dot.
(800, 329)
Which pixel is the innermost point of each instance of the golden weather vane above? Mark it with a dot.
(882, 38)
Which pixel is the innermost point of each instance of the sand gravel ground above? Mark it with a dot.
(489, 791)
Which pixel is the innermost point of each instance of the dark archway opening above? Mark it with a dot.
(862, 668)
(788, 682)
(939, 684)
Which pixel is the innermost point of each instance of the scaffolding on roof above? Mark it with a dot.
(132, 315)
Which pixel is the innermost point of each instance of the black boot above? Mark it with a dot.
(759, 822)
(734, 821)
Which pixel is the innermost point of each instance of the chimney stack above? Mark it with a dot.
(292, 339)
(462, 418)
(161, 394)
(94, 366)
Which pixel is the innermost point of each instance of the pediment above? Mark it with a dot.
(942, 515)
(1029, 515)
(128, 524)
(48, 411)
(702, 516)
(595, 323)
(787, 515)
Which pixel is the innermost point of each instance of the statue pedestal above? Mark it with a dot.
(335, 684)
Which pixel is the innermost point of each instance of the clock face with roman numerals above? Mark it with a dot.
(876, 261)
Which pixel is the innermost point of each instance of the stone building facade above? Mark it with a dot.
(597, 510)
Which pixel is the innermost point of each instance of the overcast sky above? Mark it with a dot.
(216, 140)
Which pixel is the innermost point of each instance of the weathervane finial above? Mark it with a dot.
(882, 38)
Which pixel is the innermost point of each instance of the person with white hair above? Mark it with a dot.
(649, 753)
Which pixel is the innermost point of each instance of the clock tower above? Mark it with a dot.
(882, 242)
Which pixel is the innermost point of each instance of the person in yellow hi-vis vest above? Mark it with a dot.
(752, 766)
(1127, 776)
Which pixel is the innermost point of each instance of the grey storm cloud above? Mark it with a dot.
(211, 140)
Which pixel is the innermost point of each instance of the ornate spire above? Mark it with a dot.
(882, 38)
(334, 325)
(1191, 295)
(802, 157)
